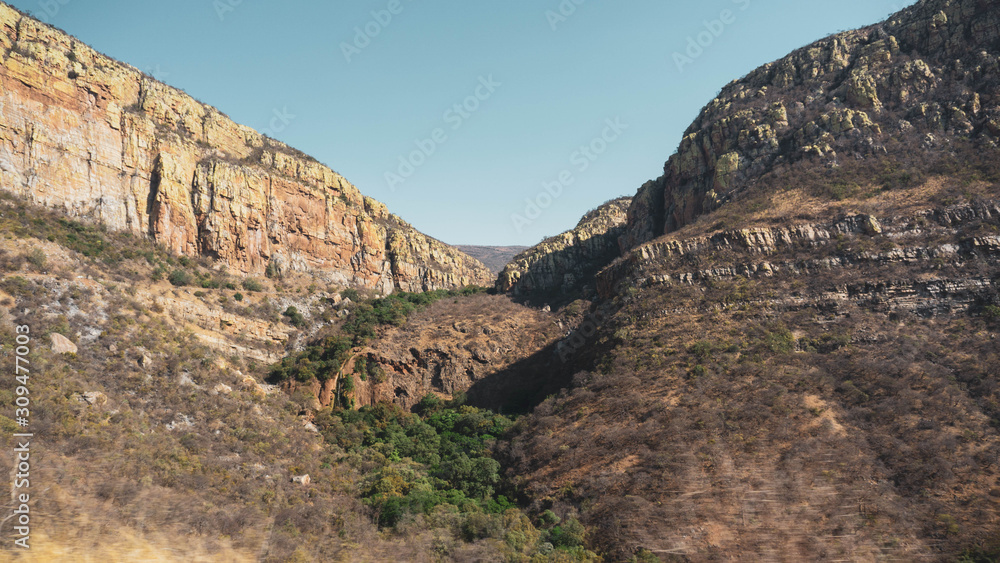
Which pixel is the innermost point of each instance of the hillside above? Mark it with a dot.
(104, 142)
(799, 347)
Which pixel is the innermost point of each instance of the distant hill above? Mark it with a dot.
(493, 257)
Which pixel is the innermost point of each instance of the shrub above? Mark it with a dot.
(252, 284)
(569, 534)
(238, 296)
(992, 312)
(37, 258)
(295, 318)
(180, 278)
(273, 271)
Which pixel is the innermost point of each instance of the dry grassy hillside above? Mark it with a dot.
(157, 437)
(817, 385)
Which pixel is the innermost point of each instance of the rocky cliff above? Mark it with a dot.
(803, 317)
(103, 141)
(564, 264)
(901, 90)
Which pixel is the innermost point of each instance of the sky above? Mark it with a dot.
(481, 122)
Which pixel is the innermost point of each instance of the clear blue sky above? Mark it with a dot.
(557, 88)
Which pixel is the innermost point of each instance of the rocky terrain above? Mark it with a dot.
(447, 349)
(559, 267)
(785, 348)
(912, 86)
(101, 140)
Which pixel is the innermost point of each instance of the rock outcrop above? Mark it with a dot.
(483, 345)
(103, 141)
(563, 264)
(942, 261)
(914, 83)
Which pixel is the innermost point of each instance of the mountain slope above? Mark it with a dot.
(796, 348)
(908, 91)
(103, 141)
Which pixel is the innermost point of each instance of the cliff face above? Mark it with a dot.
(564, 263)
(911, 85)
(103, 141)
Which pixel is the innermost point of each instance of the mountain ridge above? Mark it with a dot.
(104, 141)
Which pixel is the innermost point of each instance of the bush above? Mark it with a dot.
(252, 284)
(273, 271)
(180, 278)
(991, 312)
(238, 296)
(37, 258)
(569, 534)
(295, 318)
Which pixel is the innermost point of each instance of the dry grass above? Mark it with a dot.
(802, 205)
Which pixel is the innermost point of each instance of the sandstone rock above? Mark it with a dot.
(62, 345)
(222, 389)
(303, 480)
(119, 148)
(145, 361)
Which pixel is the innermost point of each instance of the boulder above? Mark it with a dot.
(62, 345)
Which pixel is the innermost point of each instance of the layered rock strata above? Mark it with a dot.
(103, 141)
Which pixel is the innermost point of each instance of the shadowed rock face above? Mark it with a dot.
(564, 263)
(929, 73)
(101, 140)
